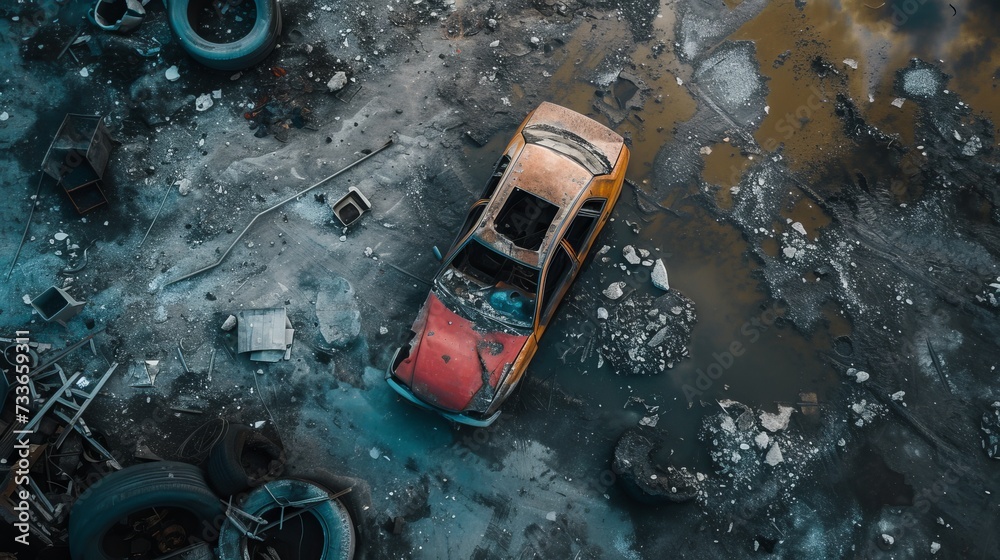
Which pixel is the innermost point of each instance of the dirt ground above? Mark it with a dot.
(820, 178)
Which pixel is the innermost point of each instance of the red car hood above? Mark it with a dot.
(452, 360)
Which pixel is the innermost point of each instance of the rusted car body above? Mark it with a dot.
(520, 248)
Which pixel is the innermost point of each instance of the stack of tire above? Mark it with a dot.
(244, 469)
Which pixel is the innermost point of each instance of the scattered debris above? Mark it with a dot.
(351, 206)
(265, 333)
(77, 159)
(775, 422)
(54, 304)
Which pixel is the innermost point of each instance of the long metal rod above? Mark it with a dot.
(275, 207)
(27, 224)
(62, 353)
(157, 215)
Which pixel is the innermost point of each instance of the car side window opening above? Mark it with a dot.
(560, 266)
(473, 219)
(525, 218)
(498, 171)
(581, 230)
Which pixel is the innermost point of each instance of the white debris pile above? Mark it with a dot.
(646, 336)
(865, 412)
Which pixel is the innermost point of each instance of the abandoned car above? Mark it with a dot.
(501, 281)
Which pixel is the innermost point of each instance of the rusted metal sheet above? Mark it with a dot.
(452, 360)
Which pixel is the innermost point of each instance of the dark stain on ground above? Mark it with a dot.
(877, 485)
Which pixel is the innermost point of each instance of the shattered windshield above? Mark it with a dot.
(495, 286)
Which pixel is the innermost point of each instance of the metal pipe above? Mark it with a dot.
(275, 207)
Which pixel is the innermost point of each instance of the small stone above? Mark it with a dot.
(776, 422)
(60, 236)
(551, 516)
(4, 116)
(789, 252)
(216, 94)
(343, 238)
(614, 290)
(935, 547)
(374, 453)
(630, 255)
(797, 226)
(602, 313)
(203, 102)
(774, 455)
(84, 72)
(495, 44)
(383, 330)
(762, 440)
(850, 62)
(337, 82)
(898, 395)
(898, 102)
(172, 74)
(229, 323)
(887, 539)
(183, 186)
(659, 276)
(861, 376)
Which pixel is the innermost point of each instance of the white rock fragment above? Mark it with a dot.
(680, 82)
(898, 102)
(203, 102)
(935, 547)
(774, 422)
(659, 276)
(789, 252)
(851, 63)
(495, 44)
(614, 290)
(774, 455)
(861, 376)
(259, 424)
(705, 150)
(762, 440)
(383, 330)
(172, 74)
(374, 453)
(649, 421)
(4, 116)
(229, 323)
(60, 236)
(183, 186)
(887, 539)
(602, 313)
(630, 255)
(797, 226)
(898, 395)
(84, 72)
(337, 82)
(551, 516)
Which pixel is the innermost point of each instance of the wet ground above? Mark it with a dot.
(820, 179)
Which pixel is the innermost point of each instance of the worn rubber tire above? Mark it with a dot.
(160, 484)
(242, 53)
(226, 473)
(358, 501)
(336, 525)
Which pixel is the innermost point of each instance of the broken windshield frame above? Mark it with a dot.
(495, 286)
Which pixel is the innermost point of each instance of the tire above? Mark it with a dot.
(227, 469)
(242, 53)
(358, 501)
(162, 484)
(335, 530)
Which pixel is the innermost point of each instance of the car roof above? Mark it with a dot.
(543, 173)
(557, 174)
